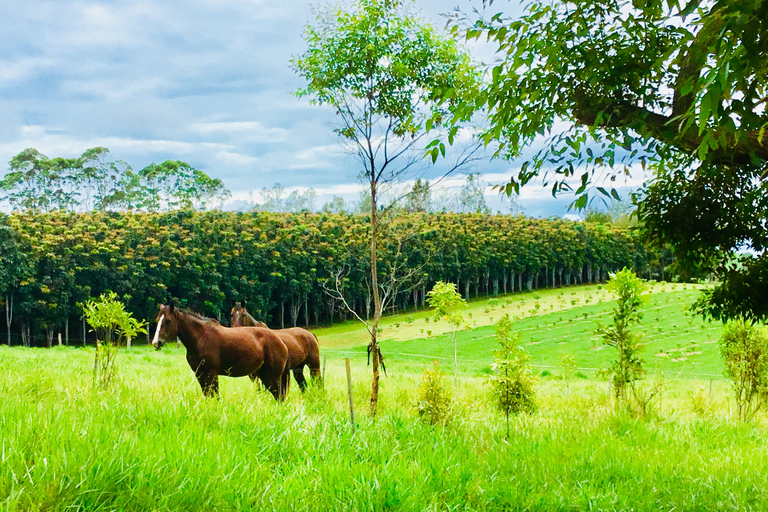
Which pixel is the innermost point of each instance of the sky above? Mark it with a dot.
(203, 81)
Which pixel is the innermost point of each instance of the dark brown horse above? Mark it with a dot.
(303, 349)
(214, 350)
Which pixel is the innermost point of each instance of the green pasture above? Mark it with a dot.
(152, 442)
(553, 323)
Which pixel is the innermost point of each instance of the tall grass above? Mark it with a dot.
(154, 443)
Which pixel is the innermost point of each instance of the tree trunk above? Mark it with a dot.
(294, 311)
(49, 336)
(282, 314)
(306, 313)
(9, 315)
(376, 299)
(66, 331)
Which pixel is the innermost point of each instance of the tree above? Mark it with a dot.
(35, 182)
(13, 269)
(174, 184)
(420, 198)
(471, 198)
(298, 202)
(335, 205)
(678, 88)
(744, 348)
(513, 380)
(391, 78)
(114, 326)
(627, 369)
(447, 302)
(38, 183)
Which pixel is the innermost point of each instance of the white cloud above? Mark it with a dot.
(254, 129)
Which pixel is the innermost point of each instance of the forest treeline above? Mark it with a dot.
(284, 266)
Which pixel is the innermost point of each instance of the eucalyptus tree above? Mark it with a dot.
(677, 88)
(391, 78)
(36, 182)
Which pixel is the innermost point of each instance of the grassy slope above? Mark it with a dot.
(553, 323)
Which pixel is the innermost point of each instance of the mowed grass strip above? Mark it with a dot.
(154, 443)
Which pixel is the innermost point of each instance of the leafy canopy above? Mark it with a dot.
(385, 71)
(675, 88)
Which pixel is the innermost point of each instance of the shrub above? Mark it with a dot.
(434, 402)
(513, 381)
(114, 326)
(568, 364)
(627, 369)
(744, 348)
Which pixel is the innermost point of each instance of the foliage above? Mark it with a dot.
(512, 381)
(434, 402)
(627, 369)
(391, 78)
(447, 302)
(41, 184)
(674, 88)
(114, 326)
(568, 365)
(744, 348)
(208, 260)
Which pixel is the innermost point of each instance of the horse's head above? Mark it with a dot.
(167, 325)
(236, 315)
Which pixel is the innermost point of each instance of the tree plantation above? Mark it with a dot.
(282, 265)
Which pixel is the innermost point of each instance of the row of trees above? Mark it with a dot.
(289, 269)
(421, 196)
(93, 181)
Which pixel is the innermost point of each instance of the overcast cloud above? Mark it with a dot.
(203, 81)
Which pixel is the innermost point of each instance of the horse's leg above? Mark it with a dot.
(209, 383)
(313, 361)
(285, 382)
(298, 374)
(255, 379)
(271, 381)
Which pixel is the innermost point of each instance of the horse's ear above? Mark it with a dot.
(170, 305)
(160, 306)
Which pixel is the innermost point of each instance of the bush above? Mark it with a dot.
(114, 326)
(744, 348)
(513, 381)
(627, 369)
(434, 403)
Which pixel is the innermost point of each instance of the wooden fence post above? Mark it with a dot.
(59, 339)
(349, 391)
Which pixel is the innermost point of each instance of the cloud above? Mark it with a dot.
(253, 129)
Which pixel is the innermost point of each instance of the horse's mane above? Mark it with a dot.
(194, 314)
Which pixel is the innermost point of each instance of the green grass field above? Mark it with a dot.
(154, 443)
(553, 323)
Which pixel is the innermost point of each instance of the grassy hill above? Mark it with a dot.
(553, 323)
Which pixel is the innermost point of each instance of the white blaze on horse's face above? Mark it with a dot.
(156, 339)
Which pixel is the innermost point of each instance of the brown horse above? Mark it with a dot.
(239, 317)
(214, 350)
(303, 349)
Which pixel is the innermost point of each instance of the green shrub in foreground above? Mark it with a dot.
(744, 348)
